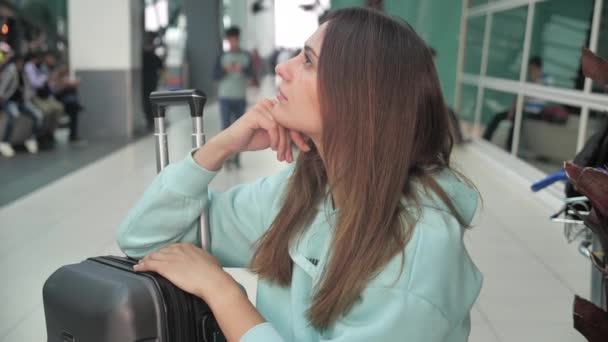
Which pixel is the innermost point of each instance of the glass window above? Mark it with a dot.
(468, 102)
(496, 118)
(560, 31)
(602, 46)
(549, 138)
(475, 3)
(474, 45)
(507, 43)
(597, 122)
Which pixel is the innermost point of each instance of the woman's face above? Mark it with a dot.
(298, 106)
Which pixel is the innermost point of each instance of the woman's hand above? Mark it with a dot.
(199, 273)
(189, 268)
(257, 130)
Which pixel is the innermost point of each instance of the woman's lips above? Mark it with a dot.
(281, 96)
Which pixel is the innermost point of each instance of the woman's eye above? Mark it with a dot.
(307, 60)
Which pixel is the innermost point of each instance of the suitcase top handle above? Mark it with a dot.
(161, 100)
(194, 97)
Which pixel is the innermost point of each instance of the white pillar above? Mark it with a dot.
(105, 53)
(261, 29)
(238, 11)
(204, 42)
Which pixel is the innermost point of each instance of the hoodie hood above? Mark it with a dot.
(463, 196)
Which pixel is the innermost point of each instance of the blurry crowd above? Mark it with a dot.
(37, 96)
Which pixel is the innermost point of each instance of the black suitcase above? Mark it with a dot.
(103, 300)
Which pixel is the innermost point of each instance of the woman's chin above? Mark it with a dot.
(284, 120)
(279, 113)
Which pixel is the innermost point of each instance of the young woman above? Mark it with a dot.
(361, 239)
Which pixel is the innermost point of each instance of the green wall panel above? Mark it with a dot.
(337, 4)
(559, 32)
(437, 22)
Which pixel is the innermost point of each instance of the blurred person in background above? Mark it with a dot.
(6, 52)
(533, 107)
(233, 70)
(152, 69)
(62, 87)
(39, 93)
(16, 95)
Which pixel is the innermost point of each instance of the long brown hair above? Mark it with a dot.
(385, 125)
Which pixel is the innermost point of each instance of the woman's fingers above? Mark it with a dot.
(167, 254)
(270, 126)
(282, 134)
(149, 265)
(287, 147)
(282, 139)
(289, 151)
(267, 104)
(161, 254)
(298, 139)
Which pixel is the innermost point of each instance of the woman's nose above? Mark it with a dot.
(282, 70)
(279, 70)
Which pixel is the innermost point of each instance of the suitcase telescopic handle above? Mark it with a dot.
(160, 101)
(196, 99)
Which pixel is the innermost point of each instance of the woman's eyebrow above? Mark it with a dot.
(309, 49)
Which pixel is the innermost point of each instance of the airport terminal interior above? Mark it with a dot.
(79, 141)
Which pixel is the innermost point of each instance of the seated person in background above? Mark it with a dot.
(5, 53)
(36, 83)
(65, 89)
(15, 96)
(533, 107)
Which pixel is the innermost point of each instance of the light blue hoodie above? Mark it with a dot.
(429, 301)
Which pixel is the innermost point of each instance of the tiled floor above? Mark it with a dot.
(24, 173)
(531, 273)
